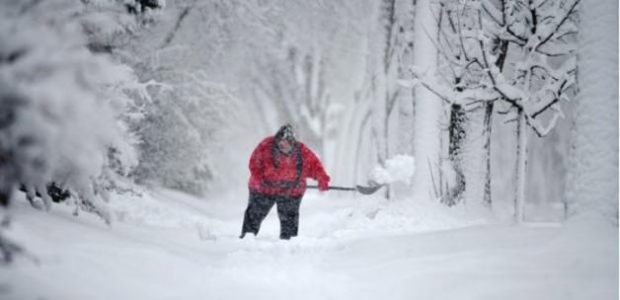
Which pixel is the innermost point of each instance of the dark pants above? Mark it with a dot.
(259, 206)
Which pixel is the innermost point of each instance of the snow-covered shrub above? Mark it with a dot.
(65, 112)
(61, 107)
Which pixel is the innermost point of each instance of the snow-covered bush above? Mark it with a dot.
(60, 110)
(65, 111)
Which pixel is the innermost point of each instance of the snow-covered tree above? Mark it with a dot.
(185, 102)
(386, 108)
(180, 132)
(536, 39)
(397, 101)
(428, 104)
(592, 181)
(64, 110)
(382, 89)
(62, 135)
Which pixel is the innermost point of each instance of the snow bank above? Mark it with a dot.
(327, 217)
(350, 247)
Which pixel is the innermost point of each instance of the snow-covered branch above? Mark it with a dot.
(555, 30)
(542, 58)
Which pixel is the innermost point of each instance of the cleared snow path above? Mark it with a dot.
(348, 249)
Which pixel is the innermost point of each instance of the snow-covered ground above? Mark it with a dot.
(167, 245)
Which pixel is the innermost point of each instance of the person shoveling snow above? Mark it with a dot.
(279, 167)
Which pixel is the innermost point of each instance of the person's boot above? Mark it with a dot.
(243, 234)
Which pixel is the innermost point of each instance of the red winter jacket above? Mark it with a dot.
(289, 177)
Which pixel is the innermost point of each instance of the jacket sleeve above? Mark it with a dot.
(313, 165)
(257, 159)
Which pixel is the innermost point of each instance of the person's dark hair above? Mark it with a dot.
(285, 133)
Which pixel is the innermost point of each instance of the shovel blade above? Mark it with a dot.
(367, 190)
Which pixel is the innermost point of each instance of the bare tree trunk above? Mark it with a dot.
(455, 148)
(488, 124)
(488, 115)
(386, 132)
(519, 215)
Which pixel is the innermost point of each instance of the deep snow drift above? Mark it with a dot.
(167, 245)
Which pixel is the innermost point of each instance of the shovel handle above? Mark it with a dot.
(337, 188)
(366, 190)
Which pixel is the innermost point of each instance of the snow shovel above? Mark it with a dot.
(366, 190)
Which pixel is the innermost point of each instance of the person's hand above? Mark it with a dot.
(323, 185)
